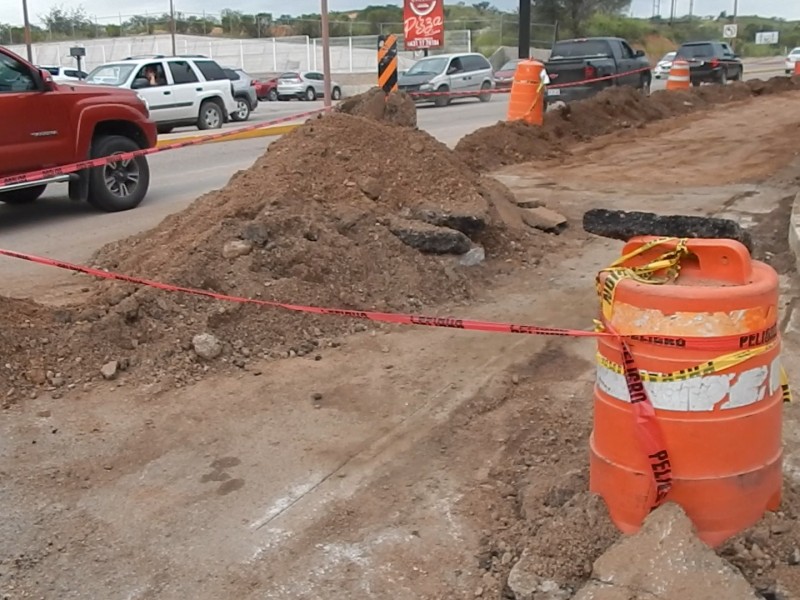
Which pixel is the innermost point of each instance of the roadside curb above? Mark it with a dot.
(794, 230)
(245, 135)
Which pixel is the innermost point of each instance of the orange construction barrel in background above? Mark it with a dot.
(797, 68)
(679, 76)
(527, 93)
(722, 430)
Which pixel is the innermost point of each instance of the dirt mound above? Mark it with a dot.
(616, 108)
(345, 212)
(396, 108)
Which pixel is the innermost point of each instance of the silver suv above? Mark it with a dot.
(467, 74)
(179, 90)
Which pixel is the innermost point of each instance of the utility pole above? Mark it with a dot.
(326, 53)
(672, 12)
(172, 25)
(691, 9)
(524, 29)
(27, 30)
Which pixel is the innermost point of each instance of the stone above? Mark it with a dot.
(473, 258)
(794, 557)
(624, 225)
(36, 376)
(109, 370)
(257, 233)
(206, 346)
(237, 248)
(525, 584)
(527, 202)
(371, 186)
(470, 223)
(430, 238)
(663, 561)
(544, 219)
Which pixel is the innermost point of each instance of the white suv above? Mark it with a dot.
(179, 90)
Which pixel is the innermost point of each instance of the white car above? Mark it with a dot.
(791, 59)
(65, 74)
(305, 85)
(179, 90)
(664, 65)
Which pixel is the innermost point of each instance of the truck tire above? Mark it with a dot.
(644, 88)
(211, 115)
(485, 95)
(723, 77)
(118, 186)
(22, 195)
(242, 109)
(272, 95)
(441, 100)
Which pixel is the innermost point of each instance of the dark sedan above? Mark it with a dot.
(711, 62)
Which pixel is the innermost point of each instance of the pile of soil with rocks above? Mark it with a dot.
(347, 211)
(513, 142)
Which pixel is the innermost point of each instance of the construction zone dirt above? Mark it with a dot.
(513, 142)
(331, 216)
(153, 447)
(396, 108)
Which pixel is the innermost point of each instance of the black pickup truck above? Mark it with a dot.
(574, 64)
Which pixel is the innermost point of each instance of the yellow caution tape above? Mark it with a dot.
(785, 389)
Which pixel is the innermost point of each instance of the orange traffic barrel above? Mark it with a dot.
(679, 76)
(797, 68)
(527, 93)
(717, 403)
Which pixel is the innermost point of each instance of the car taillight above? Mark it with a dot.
(714, 63)
(589, 72)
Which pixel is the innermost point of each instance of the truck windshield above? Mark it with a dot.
(110, 74)
(576, 48)
(428, 66)
(696, 51)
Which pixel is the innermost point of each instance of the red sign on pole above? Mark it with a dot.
(423, 24)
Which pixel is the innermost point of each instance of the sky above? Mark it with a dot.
(11, 10)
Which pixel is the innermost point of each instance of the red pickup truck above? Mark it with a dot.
(47, 124)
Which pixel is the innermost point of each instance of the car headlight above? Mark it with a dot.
(426, 87)
(144, 101)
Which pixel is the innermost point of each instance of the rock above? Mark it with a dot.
(473, 258)
(525, 584)
(663, 561)
(469, 224)
(794, 558)
(316, 396)
(257, 233)
(43, 414)
(206, 346)
(57, 381)
(36, 376)
(624, 225)
(109, 370)
(544, 219)
(429, 238)
(371, 186)
(527, 203)
(236, 248)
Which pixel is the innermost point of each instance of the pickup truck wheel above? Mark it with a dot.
(442, 100)
(22, 195)
(211, 116)
(485, 96)
(242, 110)
(121, 185)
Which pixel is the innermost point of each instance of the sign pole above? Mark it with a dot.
(326, 54)
(387, 63)
(524, 29)
(27, 25)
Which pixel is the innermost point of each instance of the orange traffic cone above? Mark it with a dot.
(797, 68)
(679, 76)
(527, 93)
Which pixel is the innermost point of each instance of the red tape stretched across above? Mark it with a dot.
(99, 162)
(726, 343)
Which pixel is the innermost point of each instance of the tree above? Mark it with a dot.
(574, 14)
(63, 22)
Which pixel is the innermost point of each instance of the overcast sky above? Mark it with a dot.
(11, 10)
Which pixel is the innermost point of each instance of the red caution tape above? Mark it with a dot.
(99, 162)
(689, 343)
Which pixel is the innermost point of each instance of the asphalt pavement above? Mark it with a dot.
(56, 227)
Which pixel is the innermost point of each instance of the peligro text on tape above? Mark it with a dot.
(689, 343)
(105, 160)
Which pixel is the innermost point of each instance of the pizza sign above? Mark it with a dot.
(423, 24)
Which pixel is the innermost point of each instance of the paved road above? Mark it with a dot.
(61, 229)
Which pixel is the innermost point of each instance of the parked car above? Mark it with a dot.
(467, 73)
(244, 92)
(594, 64)
(305, 85)
(663, 66)
(64, 73)
(792, 58)
(47, 124)
(504, 76)
(267, 90)
(711, 62)
(180, 90)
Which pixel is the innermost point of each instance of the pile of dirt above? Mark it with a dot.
(613, 109)
(344, 212)
(396, 108)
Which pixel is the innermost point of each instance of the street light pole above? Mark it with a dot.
(524, 46)
(326, 53)
(172, 25)
(27, 25)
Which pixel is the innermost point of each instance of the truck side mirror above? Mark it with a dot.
(639, 53)
(139, 83)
